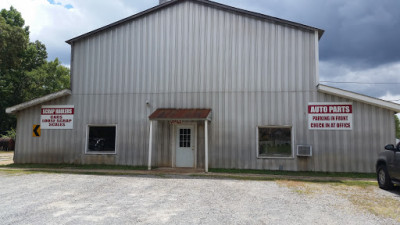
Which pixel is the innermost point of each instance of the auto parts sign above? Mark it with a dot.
(330, 116)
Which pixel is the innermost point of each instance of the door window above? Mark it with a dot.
(184, 138)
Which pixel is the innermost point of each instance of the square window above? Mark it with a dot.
(275, 142)
(101, 139)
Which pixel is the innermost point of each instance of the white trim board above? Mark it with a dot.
(358, 97)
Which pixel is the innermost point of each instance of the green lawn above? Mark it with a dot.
(213, 170)
(76, 166)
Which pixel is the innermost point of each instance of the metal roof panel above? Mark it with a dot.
(180, 114)
(37, 101)
(359, 97)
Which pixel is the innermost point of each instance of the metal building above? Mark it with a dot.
(194, 83)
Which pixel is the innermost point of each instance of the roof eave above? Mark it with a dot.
(14, 109)
(358, 97)
(137, 15)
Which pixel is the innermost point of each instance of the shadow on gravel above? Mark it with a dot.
(396, 191)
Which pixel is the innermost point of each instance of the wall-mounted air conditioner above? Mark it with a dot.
(304, 150)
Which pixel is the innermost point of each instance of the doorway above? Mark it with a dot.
(185, 146)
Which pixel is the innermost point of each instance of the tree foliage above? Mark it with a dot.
(25, 72)
(48, 78)
(13, 18)
(10, 134)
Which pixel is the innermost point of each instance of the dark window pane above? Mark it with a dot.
(184, 138)
(102, 139)
(274, 142)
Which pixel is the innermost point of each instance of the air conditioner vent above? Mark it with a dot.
(304, 150)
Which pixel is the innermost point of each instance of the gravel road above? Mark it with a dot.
(41, 198)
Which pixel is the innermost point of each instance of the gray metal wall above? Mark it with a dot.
(249, 72)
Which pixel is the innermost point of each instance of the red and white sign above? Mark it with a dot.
(175, 122)
(57, 117)
(330, 116)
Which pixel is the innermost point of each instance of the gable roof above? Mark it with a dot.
(203, 2)
(358, 97)
(37, 101)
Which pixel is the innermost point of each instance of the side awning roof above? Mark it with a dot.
(181, 114)
(37, 101)
(359, 97)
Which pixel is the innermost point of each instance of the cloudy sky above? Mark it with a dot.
(359, 51)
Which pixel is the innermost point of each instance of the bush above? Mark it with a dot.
(10, 134)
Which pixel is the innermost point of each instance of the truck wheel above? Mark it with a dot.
(384, 180)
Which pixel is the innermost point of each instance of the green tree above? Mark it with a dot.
(14, 40)
(47, 78)
(24, 71)
(397, 124)
(14, 18)
(10, 134)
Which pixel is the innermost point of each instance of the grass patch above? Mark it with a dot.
(44, 170)
(312, 187)
(74, 166)
(233, 177)
(294, 173)
(15, 172)
(9, 152)
(299, 187)
(362, 194)
(292, 181)
(383, 206)
(98, 173)
(358, 183)
(370, 200)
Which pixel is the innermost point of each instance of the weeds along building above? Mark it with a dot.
(194, 83)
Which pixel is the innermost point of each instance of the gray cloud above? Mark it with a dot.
(386, 78)
(358, 33)
(361, 42)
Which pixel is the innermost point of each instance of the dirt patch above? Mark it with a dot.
(6, 158)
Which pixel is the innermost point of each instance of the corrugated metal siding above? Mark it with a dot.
(232, 132)
(193, 48)
(249, 72)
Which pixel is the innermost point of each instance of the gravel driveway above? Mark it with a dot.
(47, 198)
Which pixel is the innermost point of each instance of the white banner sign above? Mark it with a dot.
(57, 117)
(330, 116)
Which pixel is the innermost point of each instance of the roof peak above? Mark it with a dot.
(167, 3)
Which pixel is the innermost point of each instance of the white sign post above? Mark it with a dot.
(57, 117)
(330, 116)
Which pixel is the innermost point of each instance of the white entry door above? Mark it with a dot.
(185, 146)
